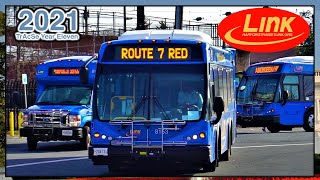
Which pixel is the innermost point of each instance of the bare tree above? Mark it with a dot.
(162, 25)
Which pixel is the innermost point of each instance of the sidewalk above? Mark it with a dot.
(2, 174)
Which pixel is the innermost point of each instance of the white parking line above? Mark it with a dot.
(272, 145)
(45, 162)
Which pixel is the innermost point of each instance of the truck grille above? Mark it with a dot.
(49, 118)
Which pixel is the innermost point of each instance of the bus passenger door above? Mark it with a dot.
(293, 109)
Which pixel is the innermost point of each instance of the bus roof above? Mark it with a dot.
(175, 34)
(44, 71)
(82, 58)
(296, 59)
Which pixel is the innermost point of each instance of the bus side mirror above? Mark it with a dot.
(285, 97)
(84, 75)
(218, 108)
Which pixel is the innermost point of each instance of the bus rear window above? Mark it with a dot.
(153, 52)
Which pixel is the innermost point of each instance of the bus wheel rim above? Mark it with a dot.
(310, 120)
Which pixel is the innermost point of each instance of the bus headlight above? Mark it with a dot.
(195, 137)
(74, 120)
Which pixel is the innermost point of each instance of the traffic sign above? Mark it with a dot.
(24, 79)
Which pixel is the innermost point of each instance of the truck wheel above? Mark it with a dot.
(308, 122)
(85, 141)
(274, 128)
(32, 143)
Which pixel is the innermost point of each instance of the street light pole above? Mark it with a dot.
(124, 19)
(223, 43)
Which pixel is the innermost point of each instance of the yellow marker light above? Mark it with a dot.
(139, 40)
(143, 153)
(168, 40)
(202, 135)
(96, 135)
(199, 42)
(154, 40)
(109, 42)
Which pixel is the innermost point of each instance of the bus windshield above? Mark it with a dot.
(65, 95)
(256, 89)
(150, 92)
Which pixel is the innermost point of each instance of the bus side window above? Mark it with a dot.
(211, 92)
(308, 82)
(291, 85)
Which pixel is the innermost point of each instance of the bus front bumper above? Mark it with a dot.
(257, 121)
(190, 154)
(47, 134)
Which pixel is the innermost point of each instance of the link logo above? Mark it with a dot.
(42, 24)
(263, 30)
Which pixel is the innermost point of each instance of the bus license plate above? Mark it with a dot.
(66, 132)
(100, 151)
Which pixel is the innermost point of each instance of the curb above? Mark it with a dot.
(14, 137)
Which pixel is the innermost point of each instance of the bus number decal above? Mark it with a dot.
(158, 131)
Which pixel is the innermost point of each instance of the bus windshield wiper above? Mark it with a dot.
(138, 106)
(160, 107)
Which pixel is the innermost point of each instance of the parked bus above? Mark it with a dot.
(278, 95)
(139, 109)
(63, 107)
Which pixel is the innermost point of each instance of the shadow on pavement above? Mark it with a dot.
(44, 147)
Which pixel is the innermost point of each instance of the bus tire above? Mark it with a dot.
(211, 166)
(32, 143)
(114, 167)
(274, 128)
(85, 141)
(308, 123)
(227, 154)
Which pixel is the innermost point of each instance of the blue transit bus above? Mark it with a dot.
(163, 95)
(278, 95)
(63, 104)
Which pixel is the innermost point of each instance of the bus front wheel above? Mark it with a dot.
(211, 166)
(274, 128)
(308, 124)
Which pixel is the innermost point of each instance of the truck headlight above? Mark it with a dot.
(74, 120)
(25, 119)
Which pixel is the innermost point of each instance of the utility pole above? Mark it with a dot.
(86, 16)
(124, 19)
(223, 43)
(140, 18)
(114, 24)
(98, 18)
(178, 17)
